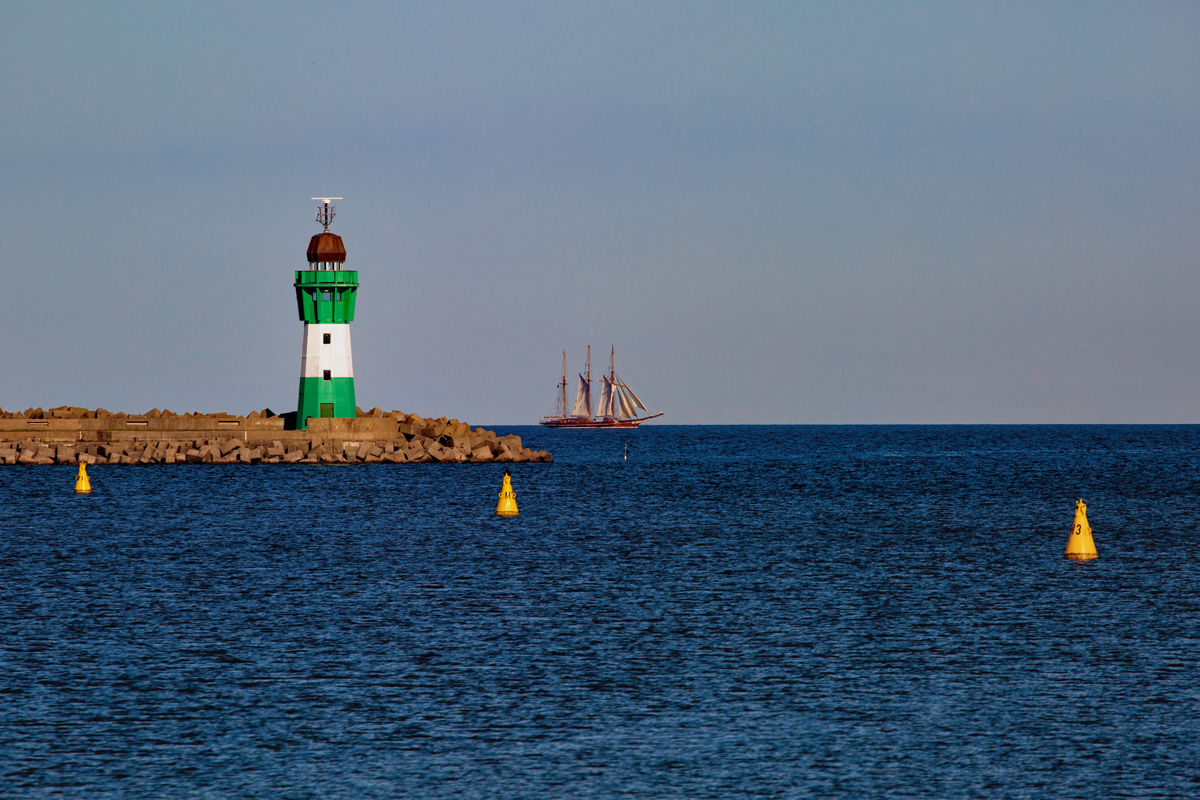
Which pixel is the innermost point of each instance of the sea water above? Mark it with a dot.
(727, 612)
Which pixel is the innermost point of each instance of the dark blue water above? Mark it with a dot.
(732, 612)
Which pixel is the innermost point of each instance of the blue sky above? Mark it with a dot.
(778, 213)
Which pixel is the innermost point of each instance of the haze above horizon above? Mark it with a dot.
(853, 213)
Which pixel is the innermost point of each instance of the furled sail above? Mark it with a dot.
(633, 398)
(605, 409)
(583, 399)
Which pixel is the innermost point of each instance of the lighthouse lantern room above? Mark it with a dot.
(325, 295)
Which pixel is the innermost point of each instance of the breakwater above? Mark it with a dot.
(70, 435)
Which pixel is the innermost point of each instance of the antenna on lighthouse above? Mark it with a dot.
(326, 212)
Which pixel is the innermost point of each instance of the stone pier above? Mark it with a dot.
(68, 435)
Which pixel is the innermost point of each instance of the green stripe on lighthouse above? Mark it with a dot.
(326, 295)
(315, 391)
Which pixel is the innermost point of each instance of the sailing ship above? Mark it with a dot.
(618, 403)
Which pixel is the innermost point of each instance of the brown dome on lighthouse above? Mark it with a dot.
(326, 247)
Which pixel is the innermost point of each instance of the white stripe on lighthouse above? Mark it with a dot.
(318, 356)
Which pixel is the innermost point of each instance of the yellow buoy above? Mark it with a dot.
(1080, 546)
(507, 507)
(82, 484)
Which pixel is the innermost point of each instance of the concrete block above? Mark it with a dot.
(370, 459)
(482, 454)
(229, 445)
(293, 457)
(374, 451)
(193, 456)
(169, 458)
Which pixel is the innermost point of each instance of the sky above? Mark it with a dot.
(777, 213)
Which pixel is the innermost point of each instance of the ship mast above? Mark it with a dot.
(589, 380)
(564, 384)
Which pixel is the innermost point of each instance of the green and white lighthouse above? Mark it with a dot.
(325, 295)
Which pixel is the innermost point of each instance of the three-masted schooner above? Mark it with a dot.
(618, 403)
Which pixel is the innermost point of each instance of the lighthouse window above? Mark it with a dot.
(327, 376)
(326, 339)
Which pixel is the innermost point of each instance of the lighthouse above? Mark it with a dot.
(325, 295)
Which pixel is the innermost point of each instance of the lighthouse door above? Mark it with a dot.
(326, 410)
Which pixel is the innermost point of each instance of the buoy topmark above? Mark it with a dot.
(82, 484)
(507, 507)
(1080, 546)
